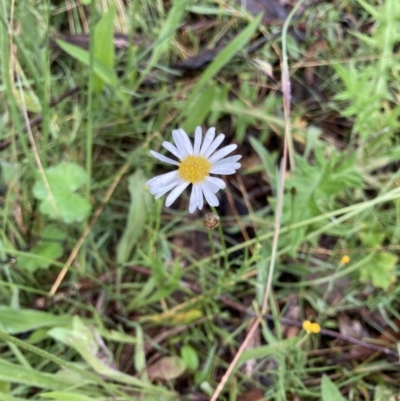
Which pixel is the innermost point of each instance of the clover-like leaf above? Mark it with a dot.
(63, 202)
(379, 269)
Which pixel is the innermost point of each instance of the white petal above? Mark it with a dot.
(200, 200)
(196, 198)
(175, 193)
(228, 160)
(209, 137)
(223, 170)
(163, 158)
(173, 149)
(222, 153)
(214, 188)
(197, 141)
(226, 166)
(180, 144)
(183, 143)
(217, 141)
(217, 182)
(186, 141)
(163, 179)
(209, 195)
(166, 189)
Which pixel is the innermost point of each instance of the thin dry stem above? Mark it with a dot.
(280, 197)
(93, 220)
(233, 364)
(88, 228)
(32, 139)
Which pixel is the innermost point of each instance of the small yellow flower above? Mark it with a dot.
(345, 260)
(311, 328)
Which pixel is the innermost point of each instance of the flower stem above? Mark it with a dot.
(222, 239)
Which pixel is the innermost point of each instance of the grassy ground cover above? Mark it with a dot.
(107, 294)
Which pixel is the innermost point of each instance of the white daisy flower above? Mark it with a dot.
(195, 165)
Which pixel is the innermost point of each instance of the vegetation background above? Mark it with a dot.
(108, 295)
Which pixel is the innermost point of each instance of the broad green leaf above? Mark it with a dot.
(100, 69)
(19, 374)
(49, 246)
(221, 60)
(88, 343)
(139, 205)
(63, 180)
(203, 107)
(16, 321)
(329, 391)
(104, 44)
(378, 268)
(190, 357)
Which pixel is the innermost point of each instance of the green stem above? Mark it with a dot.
(222, 239)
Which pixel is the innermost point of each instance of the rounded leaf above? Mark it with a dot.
(58, 199)
(167, 368)
(190, 357)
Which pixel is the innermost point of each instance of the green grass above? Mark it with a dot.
(107, 294)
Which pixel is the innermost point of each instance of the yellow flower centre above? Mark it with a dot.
(194, 169)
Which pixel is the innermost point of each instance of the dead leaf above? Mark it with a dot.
(252, 395)
(350, 327)
(167, 368)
